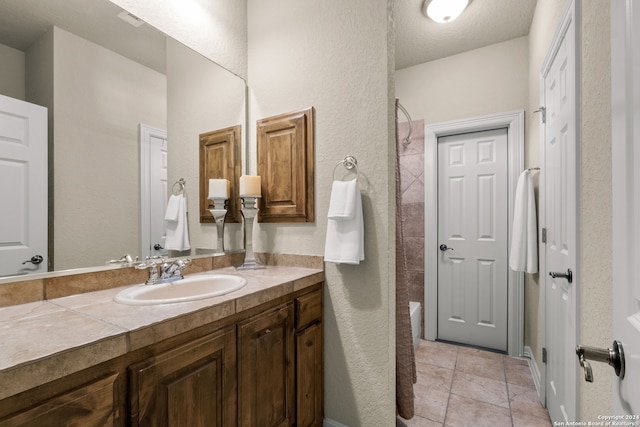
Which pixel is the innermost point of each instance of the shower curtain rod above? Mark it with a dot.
(407, 139)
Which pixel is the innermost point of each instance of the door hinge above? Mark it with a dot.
(544, 355)
(543, 113)
(544, 235)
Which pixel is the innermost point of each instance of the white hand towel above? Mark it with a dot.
(345, 237)
(343, 199)
(178, 231)
(524, 240)
(173, 208)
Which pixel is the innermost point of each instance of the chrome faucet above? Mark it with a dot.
(173, 271)
(168, 271)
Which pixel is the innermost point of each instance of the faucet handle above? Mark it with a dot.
(126, 259)
(145, 264)
(153, 271)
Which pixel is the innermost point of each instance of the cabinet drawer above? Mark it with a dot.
(308, 309)
(92, 404)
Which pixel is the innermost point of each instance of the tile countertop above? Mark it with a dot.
(44, 341)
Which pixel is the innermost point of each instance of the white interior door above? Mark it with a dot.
(625, 89)
(473, 225)
(23, 187)
(153, 176)
(560, 217)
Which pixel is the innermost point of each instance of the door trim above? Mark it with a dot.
(146, 132)
(514, 122)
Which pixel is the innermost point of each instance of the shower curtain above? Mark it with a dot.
(405, 358)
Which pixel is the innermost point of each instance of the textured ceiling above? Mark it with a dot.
(22, 22)
(418, 39)
(483, 23)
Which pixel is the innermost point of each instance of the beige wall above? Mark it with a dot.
(595, 321)
(216, 29)
(12, 63)
(99, 99)
(334, 55)
(488, 80)
(201, 97)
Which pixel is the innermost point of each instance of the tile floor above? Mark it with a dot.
(461, 386)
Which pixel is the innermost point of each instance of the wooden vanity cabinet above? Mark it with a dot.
(192, 385)
(262, 367)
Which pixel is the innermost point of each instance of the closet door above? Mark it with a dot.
(473, 238)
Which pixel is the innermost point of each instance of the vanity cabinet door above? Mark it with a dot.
(309, 372)
(92, 404)
(266, 369)
(192, 385)
(309, 360)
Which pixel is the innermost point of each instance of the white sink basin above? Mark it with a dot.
(191, 288)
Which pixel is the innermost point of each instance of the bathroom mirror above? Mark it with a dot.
(133, 75)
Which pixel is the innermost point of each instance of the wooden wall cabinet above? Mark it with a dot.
(220, 158)
(286, 165)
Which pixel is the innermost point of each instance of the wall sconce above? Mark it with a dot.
(443, 11)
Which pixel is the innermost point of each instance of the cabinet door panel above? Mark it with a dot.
(265, 370)
(93, 404)
(192, 385)
(309, 377)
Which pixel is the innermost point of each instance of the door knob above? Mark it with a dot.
(35, 260)
(157, 247)
(614, 356)
(568, 275)
(445, 248)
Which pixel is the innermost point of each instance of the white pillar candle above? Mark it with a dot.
(249, 185)
(219, 188)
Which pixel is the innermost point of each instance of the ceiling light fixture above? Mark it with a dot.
(444, 11)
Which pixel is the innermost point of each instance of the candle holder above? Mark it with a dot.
(249, 212)
(219, 213)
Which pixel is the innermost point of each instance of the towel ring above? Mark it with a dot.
(349, 163)
(181, 183)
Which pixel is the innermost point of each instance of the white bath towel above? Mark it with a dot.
(343, 199)
(345, 236)
(524, 239)
(178, 229)
(173, 208)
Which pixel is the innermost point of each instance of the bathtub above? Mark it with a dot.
(416, 323)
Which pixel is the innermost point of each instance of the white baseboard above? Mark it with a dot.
(330, 423)
(535, 373)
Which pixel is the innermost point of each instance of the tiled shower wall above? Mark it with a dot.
(412, 199)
